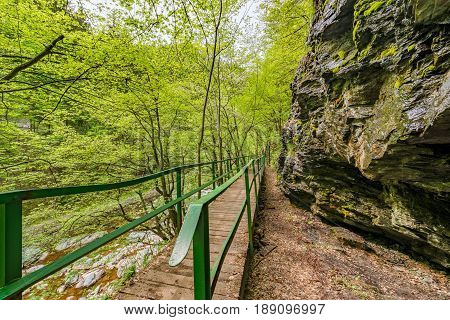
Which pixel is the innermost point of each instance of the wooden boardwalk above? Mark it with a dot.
(159, 281)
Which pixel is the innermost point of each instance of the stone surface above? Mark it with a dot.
(61, 289)
(144, 236)
(44, 256)
(367, 141)
(204, 192)
(89, 278)
(33, 268)
(432, 11)
(30, 255)
(78, 241)
(71, 279)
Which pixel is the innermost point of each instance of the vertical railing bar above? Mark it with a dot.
(3, 280)
(11, 243)
(220, 168)
(255, 176)
(179, 204)
(202, 281)
(259, 176)
(213, 173)
(249, 211)
(11, 233)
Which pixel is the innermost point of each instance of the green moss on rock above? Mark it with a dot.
(372, 151)
(390, 51)
(374, 6)
(355, 30)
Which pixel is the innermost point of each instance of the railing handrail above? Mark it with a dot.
(30, 194)
(195, 230)
(191, 219)
(19, 283)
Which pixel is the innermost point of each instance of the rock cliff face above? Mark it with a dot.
(368, 139)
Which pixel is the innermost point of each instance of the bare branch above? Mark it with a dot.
(32, 61)
(67, 89)
(41, 85)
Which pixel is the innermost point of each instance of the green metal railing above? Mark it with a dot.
(11, 281)
(195, 230)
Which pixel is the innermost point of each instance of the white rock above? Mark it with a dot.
(124, 264)
(71, 279)
(89, 278)
(86, 263)
(42, 286)
(204, 192)
(34, 268)
(96, 291)
(109, 290)
(61, 289)
(92, 237)
(142, 254)
(66, 270)
(139, 245)
(113, 257)
(66, 243)
(144, 236)
(77, 241)
(44, 256)
(30, 255)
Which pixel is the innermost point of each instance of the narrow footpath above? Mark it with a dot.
(300, 256)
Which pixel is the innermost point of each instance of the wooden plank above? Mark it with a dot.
(160, 281)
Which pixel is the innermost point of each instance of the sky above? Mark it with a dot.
(248, 18)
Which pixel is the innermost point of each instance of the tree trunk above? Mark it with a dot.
(205, 101)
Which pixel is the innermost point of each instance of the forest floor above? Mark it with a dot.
(300, 256)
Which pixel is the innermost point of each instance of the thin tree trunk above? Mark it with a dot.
(218, 124)
(205, 101)
(164, 182)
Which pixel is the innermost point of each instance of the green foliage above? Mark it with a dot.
(267, 91)
(121, 95)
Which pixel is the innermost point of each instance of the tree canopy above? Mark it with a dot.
(107, 90)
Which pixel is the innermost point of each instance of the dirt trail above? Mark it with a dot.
(300, 256)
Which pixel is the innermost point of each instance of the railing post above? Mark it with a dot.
(259, 168)
(249, 211)
(11, 243)
(202, 281)
(213, 173)
(230, 167)
(254, 182)
(179, 204)
(264, 163)
(220, 167)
